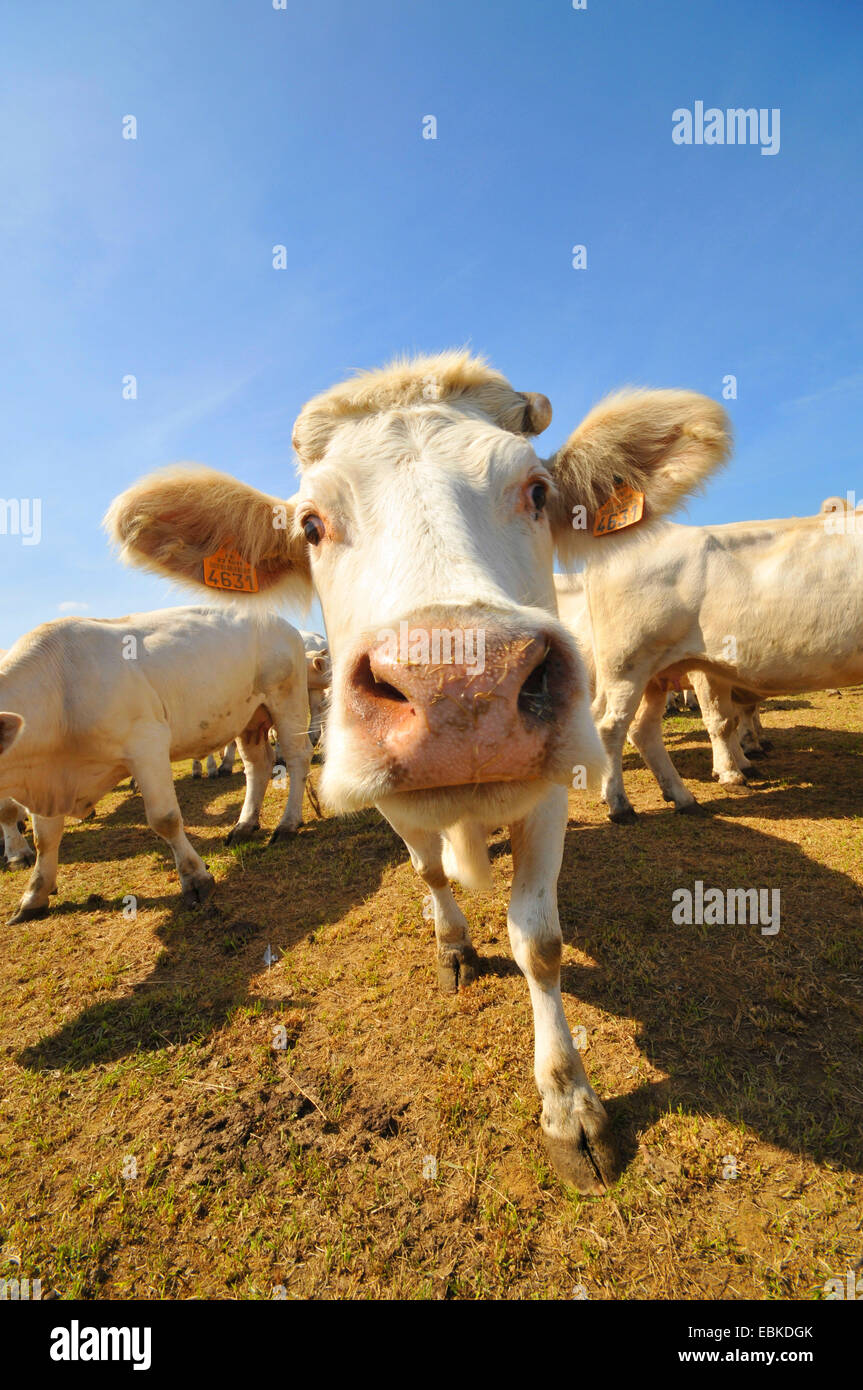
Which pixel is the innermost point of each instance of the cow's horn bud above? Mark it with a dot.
(537, 412)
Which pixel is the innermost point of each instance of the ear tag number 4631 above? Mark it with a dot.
(623, 508)
(226, 569)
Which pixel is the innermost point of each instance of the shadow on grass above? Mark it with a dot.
(764, 1030)
(831, 760)
(269, 899)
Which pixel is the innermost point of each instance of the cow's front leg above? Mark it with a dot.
(255, 753)
(613, 710)
(574, 1124)
(47, 832)
(457, 962)
(152, 772)
(646, 734)
(730, 764)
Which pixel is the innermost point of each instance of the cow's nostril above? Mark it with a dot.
(384, 691)
(365, 679)
(534, 698)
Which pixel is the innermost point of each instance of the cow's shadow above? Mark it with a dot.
(761, 1029)
(269, 899)
(203, 805)
(809, 771)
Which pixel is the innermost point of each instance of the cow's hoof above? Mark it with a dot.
(28, 914)
(22, 860)
(198, 889)
(225, 772)
(730, 779)
(766, 745)
(241, 833)
(457, 967)
(754, 752)
(587, 1159)
(282, 834)
(625, 817)
(689, 808)
(196, 775)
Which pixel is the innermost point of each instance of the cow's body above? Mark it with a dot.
(750, 610)
(86, 703)
(733, 741)
(428, 524)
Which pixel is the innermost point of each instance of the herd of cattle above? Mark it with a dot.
(464, 681)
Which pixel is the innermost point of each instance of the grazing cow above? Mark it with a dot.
(13, 822)
(750, 610)
(681, 697)
(86, 703)
(427, 524)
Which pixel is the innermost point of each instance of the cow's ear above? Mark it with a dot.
(203, 528)
(10, 727)
(662, 444)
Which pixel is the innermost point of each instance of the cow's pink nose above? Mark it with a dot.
(440, 722)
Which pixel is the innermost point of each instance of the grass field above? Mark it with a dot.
(155, 1144)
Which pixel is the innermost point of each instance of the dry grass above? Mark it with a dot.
(303, 1168)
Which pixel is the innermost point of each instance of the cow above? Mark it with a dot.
(427, 524)
(320, 674)
(732, 750)
(86, 703)
(13, 822)
(318, 668)
(750, 610)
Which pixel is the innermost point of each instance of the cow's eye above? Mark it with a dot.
(314, 530)
(538, 497)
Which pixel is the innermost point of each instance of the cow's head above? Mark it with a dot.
(427, 524)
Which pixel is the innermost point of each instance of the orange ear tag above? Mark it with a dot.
(623, 508)
(227, 569)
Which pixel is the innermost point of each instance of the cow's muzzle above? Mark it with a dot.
(441, 708)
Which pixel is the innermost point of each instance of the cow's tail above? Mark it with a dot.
(465, 855)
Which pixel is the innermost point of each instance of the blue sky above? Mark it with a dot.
(303, 127)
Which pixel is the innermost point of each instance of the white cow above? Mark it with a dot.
(732, 746)
(428, 524)
(86, 703)
(320, 675)
(13, 823)
(750, 610)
